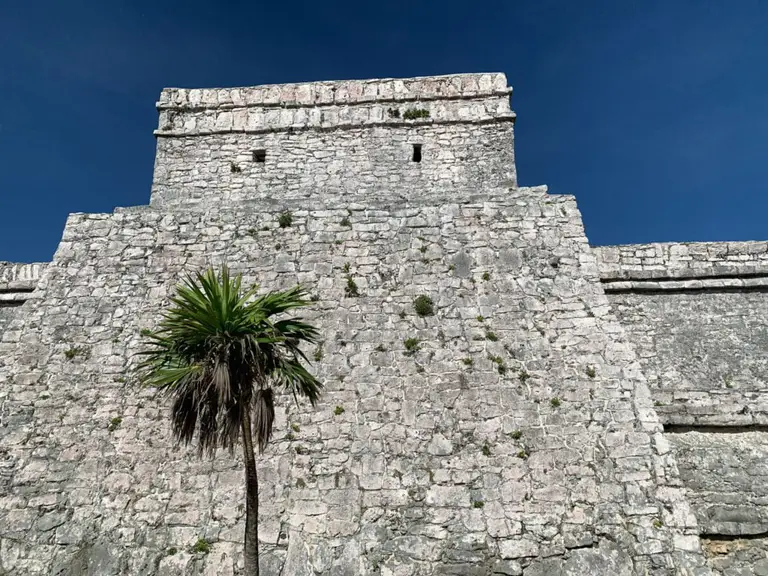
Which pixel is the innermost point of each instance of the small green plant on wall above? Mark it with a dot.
(202, 546)
(415, 114)
(285, 219)
(75, 352)
(424, 306)
(351, 289)
(412, 346)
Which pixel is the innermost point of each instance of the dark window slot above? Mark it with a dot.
(260, 156)
(416, 153)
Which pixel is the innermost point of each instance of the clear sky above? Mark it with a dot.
(653, 113)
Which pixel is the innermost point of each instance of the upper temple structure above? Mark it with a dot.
(566, 410)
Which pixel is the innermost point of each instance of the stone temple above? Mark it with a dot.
(568, 409)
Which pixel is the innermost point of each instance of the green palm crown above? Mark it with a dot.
(218, 352)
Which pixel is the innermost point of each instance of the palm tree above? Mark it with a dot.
(218, 353)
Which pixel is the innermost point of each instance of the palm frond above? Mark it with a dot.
(298, 380)
(216, 353)
(263, 416)
(277, 302)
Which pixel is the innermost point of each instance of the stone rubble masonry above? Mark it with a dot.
(353, 139)
(683, 266)
(696, 314)
(522, 437)
(423, 472)
(19, 277)
(17, 282)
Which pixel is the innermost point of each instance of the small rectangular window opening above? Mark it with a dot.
(416, 153)
(260, 156)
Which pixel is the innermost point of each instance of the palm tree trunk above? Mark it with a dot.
(251, 551)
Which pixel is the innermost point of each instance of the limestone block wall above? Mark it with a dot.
(696, 315)
(17, 282)
(347, 139)
(520, 438)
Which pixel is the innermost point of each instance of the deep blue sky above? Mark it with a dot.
(653, 113)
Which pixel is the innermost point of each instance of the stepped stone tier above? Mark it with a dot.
(568, 410)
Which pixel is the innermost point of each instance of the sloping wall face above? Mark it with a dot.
(353, 139)
(518, 438)
(696, 316)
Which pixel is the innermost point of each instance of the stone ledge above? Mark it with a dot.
(244, 122)
(682, 261)
(392, 100)
(11, 298)
(15, 277)
(376, 200)
(733, 411)
(338, 92)
(690, 284)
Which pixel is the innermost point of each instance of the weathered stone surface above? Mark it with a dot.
(604, 560)
(739, 557)
(17, 283)
(521, 438)
(703, 353)
(727, 480)
(695, 314)
(352, 139)
(413, 475)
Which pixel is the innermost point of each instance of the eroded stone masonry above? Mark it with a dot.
(568, 410)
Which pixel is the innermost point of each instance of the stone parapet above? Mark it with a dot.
(15, 277)
(682, 261)
(338, 92)
(474, 98)
(17, 284)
